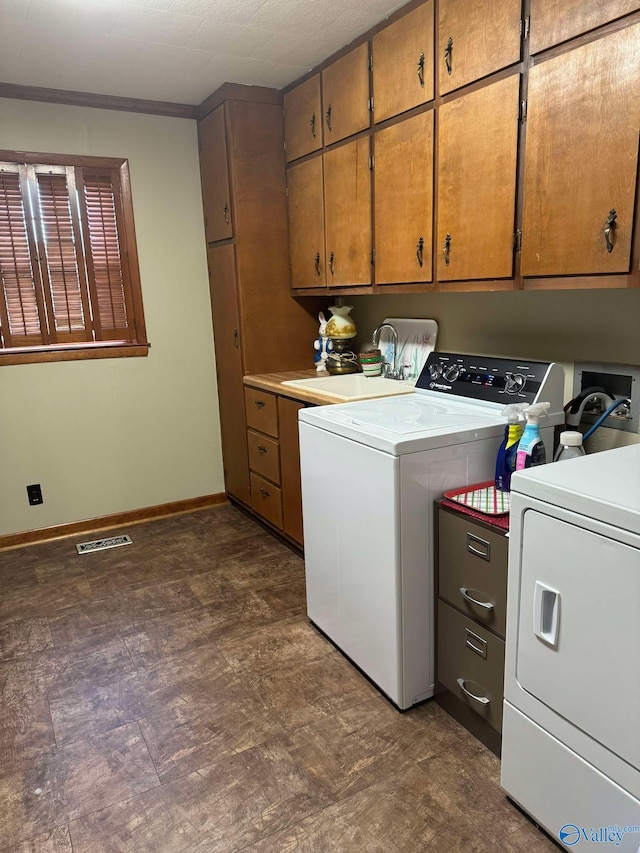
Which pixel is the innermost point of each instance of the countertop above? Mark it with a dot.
(273, 382)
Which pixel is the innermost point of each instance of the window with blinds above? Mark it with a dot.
(68, 260)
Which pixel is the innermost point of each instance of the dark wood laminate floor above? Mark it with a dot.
(171, 696)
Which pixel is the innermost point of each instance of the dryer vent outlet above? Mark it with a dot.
(622, 381)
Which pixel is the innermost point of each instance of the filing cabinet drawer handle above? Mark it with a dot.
(464, 592)
(472, 639)
(262, 448)
(484, 551)
(259, 403)
(481, 700)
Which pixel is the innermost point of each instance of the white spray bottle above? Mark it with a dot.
(531, 450)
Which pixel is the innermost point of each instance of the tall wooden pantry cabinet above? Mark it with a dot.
(258, 327)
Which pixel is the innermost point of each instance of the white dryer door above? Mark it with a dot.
(579, 629)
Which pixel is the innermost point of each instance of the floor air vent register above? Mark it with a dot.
(103, 544)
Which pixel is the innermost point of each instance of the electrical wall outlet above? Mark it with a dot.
(34, 493)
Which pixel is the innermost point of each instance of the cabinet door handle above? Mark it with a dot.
(225, 213)
(481, 700)
(262, 448)
(327, 115)
(464, 592)
(419, 250)
(316, 263)
(448, 56)
(265, 493)
(312, 124)
(421, 69)
(484, 551)
(259, 403)
(445, 249)
(236, 339)
(609, 228)
(332, 258)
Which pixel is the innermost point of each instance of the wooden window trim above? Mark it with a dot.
(68, 349)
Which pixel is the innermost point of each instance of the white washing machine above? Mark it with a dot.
(571, 727)
(371, 471)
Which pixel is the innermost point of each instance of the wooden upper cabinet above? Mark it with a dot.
(214, 171)
(476, 38)
(303, 119)
(306, 224)
(403, 63)
(403, 178)
(229, 368)
(553, 22)
(477, 152)
(581, 159)
(347, 213)
(345, 95)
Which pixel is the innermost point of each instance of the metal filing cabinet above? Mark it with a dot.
(471, 589)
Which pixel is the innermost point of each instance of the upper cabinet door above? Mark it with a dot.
(403, 177)
(214, 172)
(553, 22)
(403, 63)
(306, 224)
(476, 38)
(477, 147)
(345, 95)
(583, 122)
(303, 119)
(347, 212)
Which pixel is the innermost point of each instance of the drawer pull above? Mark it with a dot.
(265, 493)
(472, 639)
(481, 700)
(484, 551)
(259, 403)
(464, 592)
(262, 448)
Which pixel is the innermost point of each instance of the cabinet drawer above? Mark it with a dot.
(471, 663)
(262, 411)
(264, 456)
(473, 559)
(266, 500)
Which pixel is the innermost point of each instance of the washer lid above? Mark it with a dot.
(407, 423)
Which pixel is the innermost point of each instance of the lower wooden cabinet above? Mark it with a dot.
(274, 460)
(471, 614)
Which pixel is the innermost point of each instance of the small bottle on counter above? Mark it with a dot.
(570, 446)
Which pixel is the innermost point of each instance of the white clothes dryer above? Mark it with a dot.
(571, 726)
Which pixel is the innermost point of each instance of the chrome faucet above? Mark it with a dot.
(389, 370)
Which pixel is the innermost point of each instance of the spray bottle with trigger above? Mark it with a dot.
(531, 450)
(506, 459)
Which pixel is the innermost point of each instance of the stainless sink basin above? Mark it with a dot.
(352, 386)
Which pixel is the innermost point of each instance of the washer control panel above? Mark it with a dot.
(494, 380)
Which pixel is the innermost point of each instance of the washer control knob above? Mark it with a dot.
(452, 373)
(435, 370)
(514, 382)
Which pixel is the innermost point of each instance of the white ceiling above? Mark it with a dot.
(174, 50)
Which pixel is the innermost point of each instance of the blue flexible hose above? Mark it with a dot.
(604, 416)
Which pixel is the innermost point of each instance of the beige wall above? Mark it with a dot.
(112, 435)
(565, 326)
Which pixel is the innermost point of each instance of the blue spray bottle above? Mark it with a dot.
(506, 459)
(531, 450)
